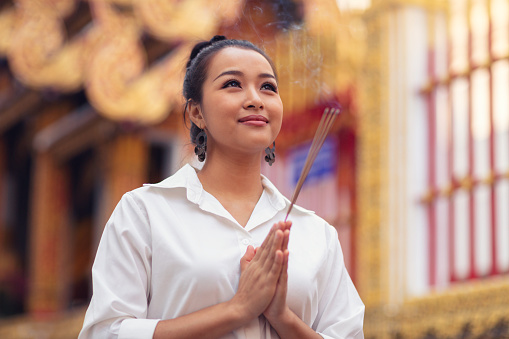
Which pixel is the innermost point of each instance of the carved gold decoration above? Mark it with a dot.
(474, 306)
(428, 197)
(321, 16)
(490, 179)
(372, 280)
(447, 190)
(427, 4)
(107, 58)
(7, 23)
(66, 326)
(467, 183)
(207, 16)
(37, 54)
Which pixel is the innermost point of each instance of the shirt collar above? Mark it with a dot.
(187, 178)
(277, 200)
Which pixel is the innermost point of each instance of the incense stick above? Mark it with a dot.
(328, 117)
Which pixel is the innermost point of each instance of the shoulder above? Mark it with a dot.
(304, 219)
(299, 213)
(312, 227)
(185, 178)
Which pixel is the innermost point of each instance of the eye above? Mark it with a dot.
(231, 83)
(269, 86)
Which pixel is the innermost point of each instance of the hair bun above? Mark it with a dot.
(201, 45)
(217, 38)
(196, 49)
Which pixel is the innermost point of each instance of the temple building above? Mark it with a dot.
(414, 174)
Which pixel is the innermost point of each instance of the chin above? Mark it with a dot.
(256, 147)
(256, 140)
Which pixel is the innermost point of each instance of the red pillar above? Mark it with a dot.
(48, 267)
(432, 171)
(125, 160)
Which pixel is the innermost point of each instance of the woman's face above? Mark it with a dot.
(241, 108)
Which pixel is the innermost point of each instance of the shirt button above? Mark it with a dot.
(245, 241)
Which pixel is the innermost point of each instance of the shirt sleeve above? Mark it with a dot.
(121, 277)
(340, 309)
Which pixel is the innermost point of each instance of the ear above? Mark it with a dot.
(195, 114)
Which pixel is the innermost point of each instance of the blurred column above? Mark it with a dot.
(49, 228)
(3, 232)
(3, 189)
(11, 270)
(125, 167)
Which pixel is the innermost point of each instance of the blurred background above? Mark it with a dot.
(414, 175)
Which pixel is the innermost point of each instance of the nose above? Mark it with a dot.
(253, 99)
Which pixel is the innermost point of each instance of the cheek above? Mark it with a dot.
(276, 128)
(277, 116)
(215, 112)
(220, 107)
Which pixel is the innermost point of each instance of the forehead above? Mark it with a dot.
(234, 58)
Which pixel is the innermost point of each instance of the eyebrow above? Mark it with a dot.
(239, 73)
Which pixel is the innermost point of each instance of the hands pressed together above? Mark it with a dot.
(262, 290)
(264, 276)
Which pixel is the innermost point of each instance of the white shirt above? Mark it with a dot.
(171, 248)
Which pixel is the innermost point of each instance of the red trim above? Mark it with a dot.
(493, 198)
(450, 166)
(471, 198)
(346, 180)
(353, 200)
(432, 172)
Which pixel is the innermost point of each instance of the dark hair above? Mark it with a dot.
(197, 67)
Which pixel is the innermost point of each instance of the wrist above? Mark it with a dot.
(289, 325)
(239, 312)
(284, 318)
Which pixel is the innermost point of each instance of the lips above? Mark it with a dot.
(253, 118)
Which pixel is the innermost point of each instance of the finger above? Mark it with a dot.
(286, 240)
(288, 224)
(276, 248)
(277, 243)
(284, 271)
(280, 238)
(248, 256)
(277, 265)
(285, 225)
(269, 256)
(268, 237)
(263, 252)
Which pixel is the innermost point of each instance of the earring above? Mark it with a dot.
(201, 145)
(270, 154)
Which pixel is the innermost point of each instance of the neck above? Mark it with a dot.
(233, 176)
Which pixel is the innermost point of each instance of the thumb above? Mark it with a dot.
(248, 256)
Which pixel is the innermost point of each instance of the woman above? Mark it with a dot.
(204, 254)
